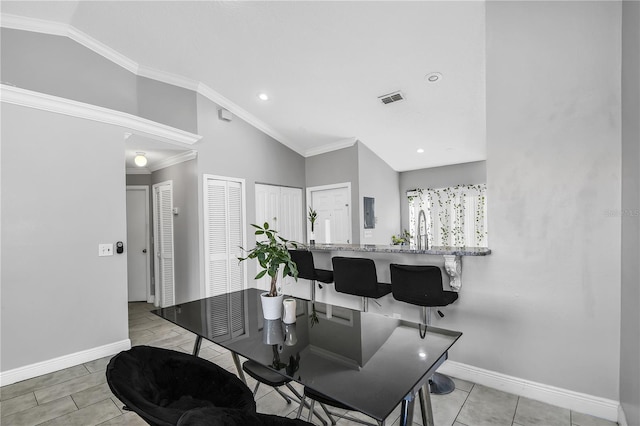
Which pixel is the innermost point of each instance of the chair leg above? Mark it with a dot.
(328, 413)
(302, 404)
(293, 391)
(255, 390)
(311, 410)
(282, 394)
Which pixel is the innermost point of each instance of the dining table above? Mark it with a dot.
(369, 362)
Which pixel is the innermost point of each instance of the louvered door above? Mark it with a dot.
(224, 230)
(163, 244)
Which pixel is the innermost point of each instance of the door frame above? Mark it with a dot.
(147, 217)
(347, 186)
(158, 297)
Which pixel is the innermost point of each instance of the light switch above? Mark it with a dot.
(105, 249)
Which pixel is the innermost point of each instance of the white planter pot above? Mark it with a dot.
(271, 306)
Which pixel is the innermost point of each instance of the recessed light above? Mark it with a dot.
(433, 77)
(420, 151)
(263, 96)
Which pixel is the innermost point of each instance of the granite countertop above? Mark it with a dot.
(405, 249)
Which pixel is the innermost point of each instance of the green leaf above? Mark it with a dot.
(261, 274)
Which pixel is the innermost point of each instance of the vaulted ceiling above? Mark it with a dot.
(323, 65)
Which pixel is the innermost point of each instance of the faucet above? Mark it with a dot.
(422, 225)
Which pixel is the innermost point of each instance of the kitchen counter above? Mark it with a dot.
(398, 254)
(405, 249)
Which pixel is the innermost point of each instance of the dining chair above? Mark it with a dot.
(357, 276)
(307, 270)
(160, 385)
(264, 375)
(421, 285)
(325, 401)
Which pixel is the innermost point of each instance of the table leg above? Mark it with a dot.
(236, 361)
(406, 410)
(196, 345)
(425, 405)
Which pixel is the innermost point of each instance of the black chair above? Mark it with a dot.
(215, 416)
(161, 385)
(357, 276)
(324, 400)
(269, 377)
(422, 285)
(307, 270)
(264, 375)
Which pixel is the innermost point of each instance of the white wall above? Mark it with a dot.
(545, 305)
(58, 296)
(379, 181)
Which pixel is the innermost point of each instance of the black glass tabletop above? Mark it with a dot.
(367, 361)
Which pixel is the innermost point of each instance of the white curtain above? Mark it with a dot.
(455, 216)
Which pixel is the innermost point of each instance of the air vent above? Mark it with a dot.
(391, 97)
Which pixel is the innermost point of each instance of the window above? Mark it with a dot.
(454, 216)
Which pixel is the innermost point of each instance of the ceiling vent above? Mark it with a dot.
(391, 97)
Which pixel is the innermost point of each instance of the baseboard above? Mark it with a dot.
(38, 369)
(588, 404)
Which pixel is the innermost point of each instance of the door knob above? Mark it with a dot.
(144, 250)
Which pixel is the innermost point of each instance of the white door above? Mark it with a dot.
(138, 261)
(281, 207)
(332, 203)
(163, 243)
(224, 235)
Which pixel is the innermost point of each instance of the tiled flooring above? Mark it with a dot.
(80, 396)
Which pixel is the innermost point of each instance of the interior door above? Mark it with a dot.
(281, 206)
(138, 261)
(163, 247)
(224, 232)
(334, 214)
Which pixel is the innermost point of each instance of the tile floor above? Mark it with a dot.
(80, 396)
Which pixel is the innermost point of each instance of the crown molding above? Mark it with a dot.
(240, 112)
(344, 143)
(60, 29)
(142, 126)
(172, 161)
(56, 28)
(138, 171)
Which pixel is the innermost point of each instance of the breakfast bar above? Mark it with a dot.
(452, 256)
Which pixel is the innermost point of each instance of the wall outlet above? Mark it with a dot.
(105, 249)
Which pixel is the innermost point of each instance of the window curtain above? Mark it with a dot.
(455, 216)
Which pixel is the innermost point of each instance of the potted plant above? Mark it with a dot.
(313, 215)
(272, 252)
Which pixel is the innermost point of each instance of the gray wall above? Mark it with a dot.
(630, 319)
(167, 104)
(439, 177)
(58, 296)
(185, 227)
(379, 181)
(237, 149)
(545, 305)
(59, 66)
(338, 167)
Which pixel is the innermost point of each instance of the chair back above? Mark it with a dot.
(354, 275)
(419, 285)
(304, 261)
(160, 385)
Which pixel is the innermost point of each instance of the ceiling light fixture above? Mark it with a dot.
(433, 77)
(140, 159)
(263, 96)
(420, 151)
